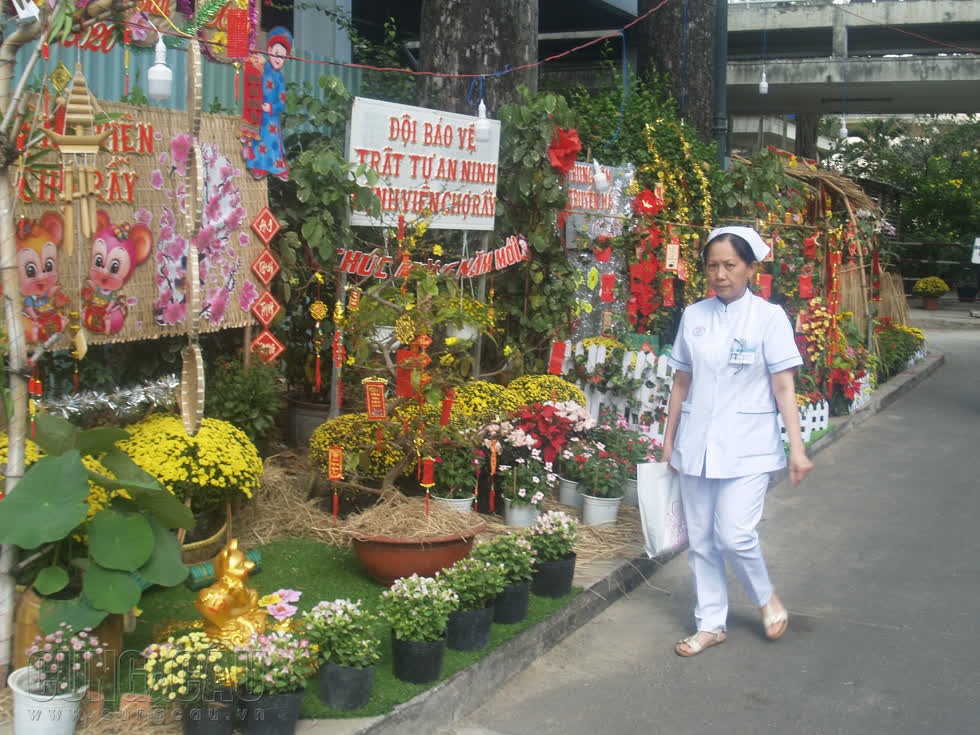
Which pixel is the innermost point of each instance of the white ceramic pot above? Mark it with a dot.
(568, 493)
(519, 515)
(465, 332)
(629, 493)
(463, 505)
(599, 511)
(41, 714)
(381, 335)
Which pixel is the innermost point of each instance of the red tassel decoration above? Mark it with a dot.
(74, 378)
(45, 51)
(401, 227)
(379, 438)
(476, 490)
(427, 501)
(335, 506)
(238, 69)
(493, 472)
(318, 382)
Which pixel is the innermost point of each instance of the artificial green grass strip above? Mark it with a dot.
(324, 572)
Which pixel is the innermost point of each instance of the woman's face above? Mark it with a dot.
(727, 273)
(277, 54)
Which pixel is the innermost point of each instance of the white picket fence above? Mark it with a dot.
(645, 400)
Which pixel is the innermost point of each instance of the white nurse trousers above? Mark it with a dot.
(722, 515)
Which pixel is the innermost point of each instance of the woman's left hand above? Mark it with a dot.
(799, 466)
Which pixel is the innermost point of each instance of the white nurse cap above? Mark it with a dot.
(759, 248)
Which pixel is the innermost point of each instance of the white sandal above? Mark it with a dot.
(695, 646)
(769, 620)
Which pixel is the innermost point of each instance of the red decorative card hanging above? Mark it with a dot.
(810, 247)
(265, 308)
(266, 225)
(681, 270)
(806, 287)
(602, 255)
(672, 256)
(557, 357)
(265, 266)
(252, 104)
(267, 346)
(238, 31)
(403, 377)
(608, 287)
(765, 285)
(335, 463)
(667, 290)
(447, 406)
(374, 393)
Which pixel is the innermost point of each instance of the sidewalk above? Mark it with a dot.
(461, 694)
(951, 314)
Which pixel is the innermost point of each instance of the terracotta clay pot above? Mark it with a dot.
(386, 558)
(930, 303)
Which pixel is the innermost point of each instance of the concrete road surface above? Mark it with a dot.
(877, 556)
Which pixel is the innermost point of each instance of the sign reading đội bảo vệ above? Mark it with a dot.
(430, 164)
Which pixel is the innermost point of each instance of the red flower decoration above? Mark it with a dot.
(645, 271)
(647, 203)
(565, 146)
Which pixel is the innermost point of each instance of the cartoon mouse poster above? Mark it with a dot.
(38, 242)
(116, 251)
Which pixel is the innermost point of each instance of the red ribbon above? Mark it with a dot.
(557, 357)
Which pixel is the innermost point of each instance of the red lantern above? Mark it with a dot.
(427, 467)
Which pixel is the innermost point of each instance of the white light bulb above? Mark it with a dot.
(764, 84)
(842, 133)
(160, 79)
(599, 180)
(482, 127)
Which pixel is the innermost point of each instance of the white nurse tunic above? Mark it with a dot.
(728, 427)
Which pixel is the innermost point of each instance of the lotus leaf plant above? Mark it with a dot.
(88, 567)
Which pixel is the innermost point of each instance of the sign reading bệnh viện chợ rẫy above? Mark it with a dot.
(127, 281)
(430, 163)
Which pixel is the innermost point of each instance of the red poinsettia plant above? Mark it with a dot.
(550, 425)
(563, 150)
(648, 203)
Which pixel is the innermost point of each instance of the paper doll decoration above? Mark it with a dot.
(265, 100)
(116, 251)
(38, 242)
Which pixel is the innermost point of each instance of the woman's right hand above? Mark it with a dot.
(667, 453)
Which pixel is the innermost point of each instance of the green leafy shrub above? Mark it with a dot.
(249, 400)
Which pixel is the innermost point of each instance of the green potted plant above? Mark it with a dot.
(272, 680)
(627, 445)
(930, 289)
(94, 538)
(514, 554)
(574, 457)
(523, 483)
(209, 471)
(553, 537)
(192, 670)
(456, 462)
(417, 608)
(477, 584)
(51, 687)
(606, 474)
(347, 648)
(248, 400)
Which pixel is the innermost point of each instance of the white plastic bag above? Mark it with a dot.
(661, 512)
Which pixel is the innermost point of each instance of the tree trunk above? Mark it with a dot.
(685, 53)
(806, 135)
(476, 37)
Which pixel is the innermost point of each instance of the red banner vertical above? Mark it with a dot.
(765, 285)
(806, 287)
(335, 463)
(667, 290)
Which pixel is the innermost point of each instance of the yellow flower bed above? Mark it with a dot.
(479, 402)
(358, 435)
(540, 388)
(209, 467)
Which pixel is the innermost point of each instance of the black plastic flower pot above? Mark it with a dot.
(345, 687)
(417, 662)
(554, 578)
(511, 604)
(469, 630)
(271, 714)
(215, 715)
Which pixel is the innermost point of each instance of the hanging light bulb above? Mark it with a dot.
(599, 180)
(764, 84)
(160, 79)
(842, 133)
(482, 127)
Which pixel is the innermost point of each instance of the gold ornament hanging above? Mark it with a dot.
(318, 310)
(405, 329)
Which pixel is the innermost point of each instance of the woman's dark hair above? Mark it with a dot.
(741, 245)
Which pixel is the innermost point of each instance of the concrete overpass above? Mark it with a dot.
(831, 58)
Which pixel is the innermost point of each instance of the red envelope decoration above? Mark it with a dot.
(603, 255)
(667, 289)
(557, 357)
(608, 287)
(806, 287)
(765, 285)
(810, 247)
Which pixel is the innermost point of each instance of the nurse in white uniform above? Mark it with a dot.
(734, 358)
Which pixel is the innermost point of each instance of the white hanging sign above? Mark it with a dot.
(430, 164)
